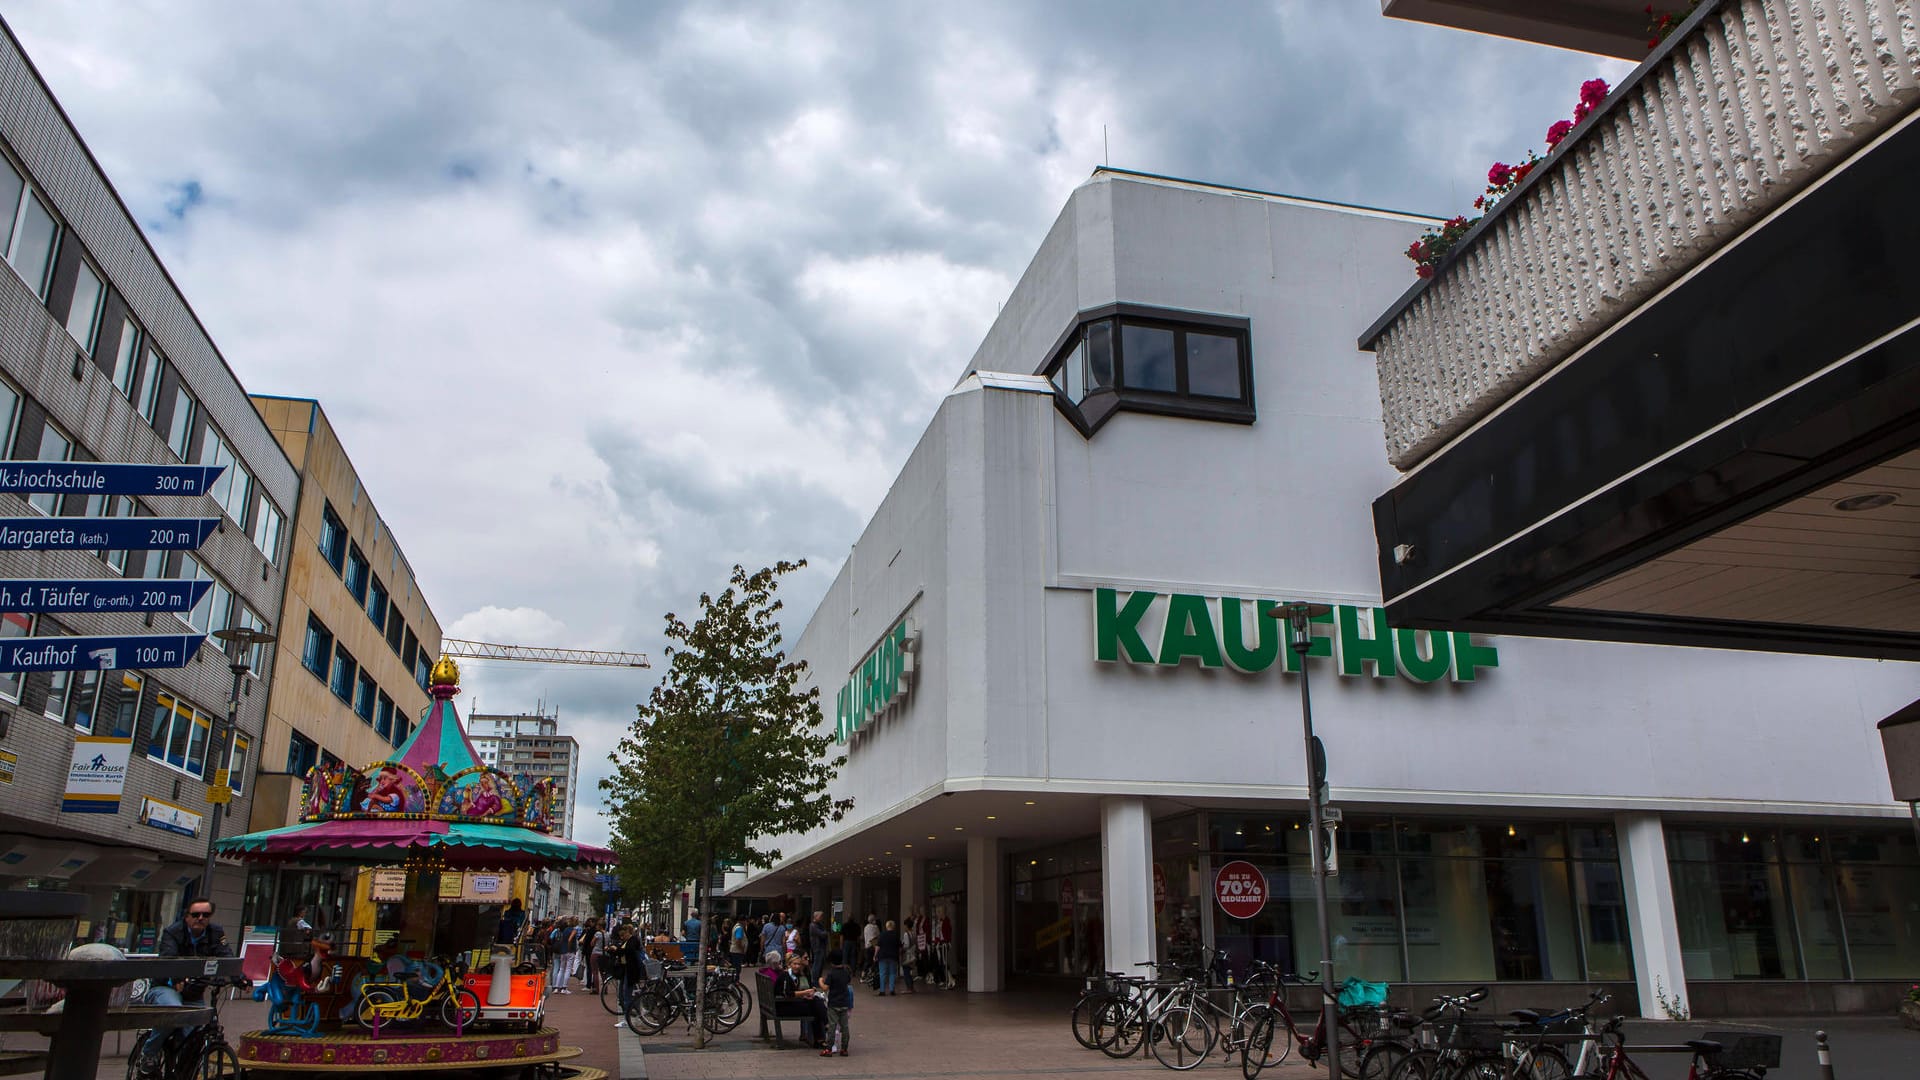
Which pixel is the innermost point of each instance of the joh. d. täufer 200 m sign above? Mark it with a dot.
(1168, 630)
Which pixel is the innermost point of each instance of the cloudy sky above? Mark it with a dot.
(645, 290)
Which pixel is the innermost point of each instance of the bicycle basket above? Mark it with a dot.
(654, 968)
(1743, 1050)
(1462, 1035)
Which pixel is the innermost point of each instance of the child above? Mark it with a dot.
(839, 980)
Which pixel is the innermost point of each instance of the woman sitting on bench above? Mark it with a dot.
(797, 983)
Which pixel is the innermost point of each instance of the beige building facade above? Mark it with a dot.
(357, 639)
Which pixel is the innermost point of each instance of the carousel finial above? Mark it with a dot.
(445, 672)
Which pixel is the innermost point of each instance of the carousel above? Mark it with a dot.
(433, 808)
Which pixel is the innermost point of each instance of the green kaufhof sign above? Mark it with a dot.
(881, 681)
(1168, 630)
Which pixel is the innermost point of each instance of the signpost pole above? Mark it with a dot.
(1300, 640)
(240, 641)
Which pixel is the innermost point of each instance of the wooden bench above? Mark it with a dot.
(779, 1009)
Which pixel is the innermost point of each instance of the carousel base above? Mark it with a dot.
(440, 1049)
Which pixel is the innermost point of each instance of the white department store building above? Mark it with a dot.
(1064, 715)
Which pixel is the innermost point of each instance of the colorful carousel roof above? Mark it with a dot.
(433, 804)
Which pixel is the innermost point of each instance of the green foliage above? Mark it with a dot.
(726, 752)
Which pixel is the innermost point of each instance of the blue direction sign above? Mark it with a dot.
(104, 478)
(103, 653)
(115, 533)
(36, 594)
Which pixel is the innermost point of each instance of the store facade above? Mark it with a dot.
(1049, 661)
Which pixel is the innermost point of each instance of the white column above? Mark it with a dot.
(1657, 965)
(822, 900)
(851, 913)
(1126, 881)
(986, 934)
(913, 888)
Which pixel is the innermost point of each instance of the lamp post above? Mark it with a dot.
(1298, 616)
(240, 641)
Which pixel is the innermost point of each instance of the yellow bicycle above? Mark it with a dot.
(395, 1002)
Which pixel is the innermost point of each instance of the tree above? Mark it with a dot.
(726, 752)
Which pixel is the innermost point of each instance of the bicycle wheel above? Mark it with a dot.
(363, 1010)
(651, 1010)
(1542, 1063)
(1082, 1020)
(1379, 1059)
(745, 998)
(459, 1009)
(1121, 1026)
(723, 1011)
(610, 995)
(1353, 1047)
(1258, 1052)
(216, 1062)
(1417, 1065)
(1182, 1038)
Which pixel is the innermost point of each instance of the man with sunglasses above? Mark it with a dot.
(196, 934)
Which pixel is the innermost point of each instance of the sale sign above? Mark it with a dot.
(1241, 889)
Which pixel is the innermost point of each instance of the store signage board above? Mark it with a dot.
(164, 815)
(96, 775)
(1240, 889)
(8, 759)
(387, 886)
(881, 682)
(39, 595)
(106, 478)
(110, 533)
(98, 653)
(1169, 629)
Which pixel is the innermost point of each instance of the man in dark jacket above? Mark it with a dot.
(817, 936)
(196, 934)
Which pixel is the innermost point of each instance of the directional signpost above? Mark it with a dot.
(106, 478)
(111, 594)
(116, 533)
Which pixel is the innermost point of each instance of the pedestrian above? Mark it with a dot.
(511, 920)
(869, 935)
(557, 962)
(737, 945)
(839, 984)
(886, 957)
(692, 927)
(300, 922)
(593, 946)
(817, 943)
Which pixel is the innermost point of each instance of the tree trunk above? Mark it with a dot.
(700, 950)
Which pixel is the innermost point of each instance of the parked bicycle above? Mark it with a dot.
(664, 998)
(202, 1053)
(1267, 1047)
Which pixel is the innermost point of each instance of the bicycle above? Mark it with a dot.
(663, 999)
(200, 1054)
(1748, 1058)
(1123, 1020)
(1459, 1049)
(395, 1002)
(1259, 1053)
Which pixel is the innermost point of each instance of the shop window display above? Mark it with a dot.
(1057, 906)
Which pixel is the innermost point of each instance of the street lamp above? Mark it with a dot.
(1299, 616)
(240, 641)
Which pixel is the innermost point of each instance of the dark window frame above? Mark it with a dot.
(332, 540)
(308, 657)
(356, 582)
(1097, 406)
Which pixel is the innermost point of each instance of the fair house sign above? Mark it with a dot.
(1170, 629)
(880, 683)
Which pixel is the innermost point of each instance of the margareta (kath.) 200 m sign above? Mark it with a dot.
(1227, 631)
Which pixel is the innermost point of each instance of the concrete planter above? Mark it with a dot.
(1910, 1014)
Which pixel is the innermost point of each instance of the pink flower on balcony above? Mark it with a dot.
(1593, 92)
(1558, 131)
(1500, 175)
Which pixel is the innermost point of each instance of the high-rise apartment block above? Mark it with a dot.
(531, 743)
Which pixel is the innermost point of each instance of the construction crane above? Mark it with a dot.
(486, 650)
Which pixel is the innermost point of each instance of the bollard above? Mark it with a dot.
(1826, 1055)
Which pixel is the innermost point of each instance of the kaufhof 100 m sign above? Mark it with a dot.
(1168, 630)
(883, 680)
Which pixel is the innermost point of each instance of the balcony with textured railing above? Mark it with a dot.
(1747, 104)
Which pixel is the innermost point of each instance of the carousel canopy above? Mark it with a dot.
(433, 804)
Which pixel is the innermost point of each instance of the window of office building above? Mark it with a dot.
(356, 574)
(333, 538)
(377, 603)
(1130, 358)
(9, 414)
(115, 506)
(383, 717)
(1791, 904)
(178, 734)
(237, 763)
(54, 446)
(215, 609)
(126, 713)
(126, 359)
(31, 230)
(83, 317)
(256, 657)
(402, 726)
(363, 696)
(344, 670)
(147, 401)
(302, 754)
(423, 669)
(266, 528)
(180, 427)
(317, 653)
(233, 488)
(396, 628)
